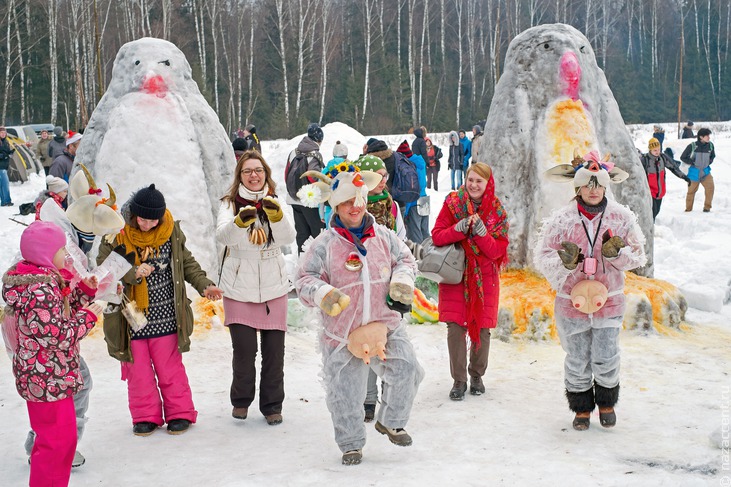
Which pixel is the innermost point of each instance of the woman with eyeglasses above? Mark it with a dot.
(255, 282)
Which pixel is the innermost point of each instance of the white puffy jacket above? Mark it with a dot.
(252, 273)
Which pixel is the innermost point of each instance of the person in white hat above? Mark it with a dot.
(62, 163)
(360, 274)
(57, 190)
(583, 250)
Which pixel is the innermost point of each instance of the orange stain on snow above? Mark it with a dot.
(568, 128)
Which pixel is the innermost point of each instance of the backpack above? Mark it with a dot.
(296, 167)
(405, 186)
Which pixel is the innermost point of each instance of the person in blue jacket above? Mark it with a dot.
(700, 155)
(467, 146)
(417, 226)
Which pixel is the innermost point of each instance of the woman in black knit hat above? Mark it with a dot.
(150, 340)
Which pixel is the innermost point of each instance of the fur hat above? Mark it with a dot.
(344, 182)
(453, 138)
(369, 163)
(340, 150)
(40, 242)
(56, 185)
(582, 170)
(315, 132)
(148, 203)
(703, 132)
(653, 144)
(405, 149)
(73, 137)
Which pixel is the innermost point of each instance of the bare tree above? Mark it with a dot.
(368, 6)
(282, 51)
(458, 9)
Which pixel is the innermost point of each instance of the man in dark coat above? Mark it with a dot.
(57, 145)
(63, 163)
(418, 146)
(379, 149)
(5, 152)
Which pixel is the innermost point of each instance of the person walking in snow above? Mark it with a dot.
(41, 151)
(47, 318)
(700, 155)
(254, 280)
(417, 225)
(476, 219)
(655, 164)
(433, 165)
(467, 146)
(456, 159)
(5, 152)
(688, 131)
(150, 349)
(351, 272)
(307, 221)
(583, 250)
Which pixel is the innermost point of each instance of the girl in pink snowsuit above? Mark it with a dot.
(45, 320)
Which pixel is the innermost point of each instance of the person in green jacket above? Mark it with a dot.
(149, 340)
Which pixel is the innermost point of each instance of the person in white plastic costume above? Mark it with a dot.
(89, 215)
(583, 250)
(352, 271)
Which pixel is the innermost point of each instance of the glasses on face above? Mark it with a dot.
(385, 177)
(248, 171)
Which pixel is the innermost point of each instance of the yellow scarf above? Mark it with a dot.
(149, 242)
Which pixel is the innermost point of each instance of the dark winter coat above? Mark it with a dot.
(687, 133)
(5, 151)
(418, 146)
(46, 363)
(56, 147)
(655, 170)
(117, 332)
(700, 156)
(252, 143)
(456, 157)
(62, 165)
(435, 156)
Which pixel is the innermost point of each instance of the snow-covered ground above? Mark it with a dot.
(676, 390)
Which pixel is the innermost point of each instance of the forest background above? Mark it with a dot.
(380, 66)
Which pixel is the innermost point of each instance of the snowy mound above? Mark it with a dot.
(526, 306)
(154, 126)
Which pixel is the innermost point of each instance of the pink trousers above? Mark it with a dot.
(55, 445)
(158, 369)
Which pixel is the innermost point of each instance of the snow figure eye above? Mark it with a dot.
(546, 46)
(582, 49)
(165, 62)
(137, 62)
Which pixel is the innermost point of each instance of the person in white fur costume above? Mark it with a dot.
(352, 271)
(583, 250)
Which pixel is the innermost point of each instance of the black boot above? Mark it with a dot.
(457, 391)
(582, 403)
(606, 398)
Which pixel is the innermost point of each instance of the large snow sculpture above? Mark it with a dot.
(551, 101)
(154, 126)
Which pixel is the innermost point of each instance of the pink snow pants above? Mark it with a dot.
(55, 445)
(158, 364)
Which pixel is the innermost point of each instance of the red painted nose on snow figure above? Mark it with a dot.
(570, 74)
(155, 85)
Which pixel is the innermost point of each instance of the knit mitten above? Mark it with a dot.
(334, 302)
(570, 255)
(272, 208)
(246, 216)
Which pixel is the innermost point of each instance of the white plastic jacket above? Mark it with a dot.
(565, 225)
(322, 268)
(252, 273)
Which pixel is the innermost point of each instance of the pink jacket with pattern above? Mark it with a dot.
(46, 360)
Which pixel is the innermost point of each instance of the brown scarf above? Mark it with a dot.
(149, 242)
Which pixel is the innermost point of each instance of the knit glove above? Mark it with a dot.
(334, 302)
(246, 216)
(272, 208)
(416, 249)
(463, 225)
(479, 228)
(612, 245)
(570, 255)
(401, 292)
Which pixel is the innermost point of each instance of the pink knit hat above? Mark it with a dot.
(40, 242)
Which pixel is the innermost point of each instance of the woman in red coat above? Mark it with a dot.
(474, 217)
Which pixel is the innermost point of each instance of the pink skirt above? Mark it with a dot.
(269, 315)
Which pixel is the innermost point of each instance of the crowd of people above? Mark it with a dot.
(358, 224)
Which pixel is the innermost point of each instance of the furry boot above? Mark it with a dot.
(582, 403)
(606, 398)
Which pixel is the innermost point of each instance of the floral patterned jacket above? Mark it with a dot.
(46, 360)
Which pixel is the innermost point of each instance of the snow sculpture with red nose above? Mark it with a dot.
(153, 126)
(551, 102)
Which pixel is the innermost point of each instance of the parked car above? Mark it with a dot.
(24, 133)
(38, 127)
